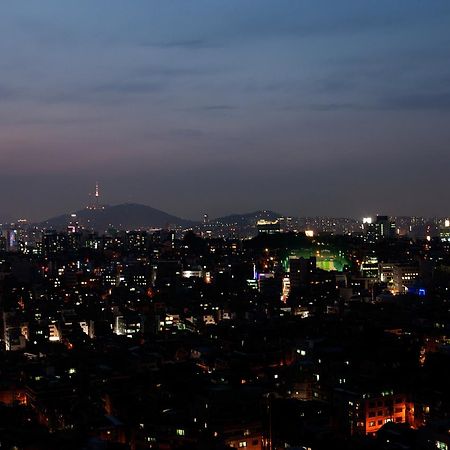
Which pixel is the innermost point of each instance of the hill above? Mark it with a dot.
(247, 218)
(127, 216)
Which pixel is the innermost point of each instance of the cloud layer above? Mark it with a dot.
(314, 107)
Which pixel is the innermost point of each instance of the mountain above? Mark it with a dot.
(248, 218)
(132, 216)
(127, 216)
(4, 218)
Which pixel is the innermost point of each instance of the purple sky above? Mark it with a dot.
(304, 107)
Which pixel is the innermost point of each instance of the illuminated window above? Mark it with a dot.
(242, 444)
(180, 432)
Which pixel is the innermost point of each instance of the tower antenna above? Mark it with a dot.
(97, 195)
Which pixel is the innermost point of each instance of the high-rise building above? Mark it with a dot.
(73, 226)
(385, 228)
(444, 232)
(403, 277)
(301, 271)
(53, 243)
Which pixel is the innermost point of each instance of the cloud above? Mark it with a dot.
(107, 93)
(337, 107)
(9, 93)
(167, 71)
(190, 44)
(218, 107)
(128, 87)
(186, 132)
(419, 101)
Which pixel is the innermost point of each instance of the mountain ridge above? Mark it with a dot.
(247, 217)
(135, 216)
(122, 216)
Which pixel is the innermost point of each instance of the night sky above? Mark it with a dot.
(304, 107)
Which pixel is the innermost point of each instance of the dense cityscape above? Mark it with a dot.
(256, 332)
(224, 225)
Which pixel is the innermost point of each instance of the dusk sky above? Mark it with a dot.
(191, 106)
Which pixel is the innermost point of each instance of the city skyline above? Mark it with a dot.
(96, 200)
(336, 109)
(225, 224)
